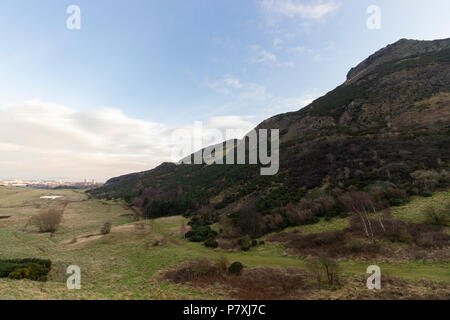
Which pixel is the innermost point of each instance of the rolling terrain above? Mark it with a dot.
(130, 262)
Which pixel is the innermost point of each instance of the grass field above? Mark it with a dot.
(125, 263)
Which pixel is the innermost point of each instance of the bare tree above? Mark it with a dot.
(365, 206)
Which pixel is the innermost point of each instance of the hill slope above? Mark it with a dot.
(388, 123)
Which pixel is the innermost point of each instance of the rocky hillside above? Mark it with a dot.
(388, 124)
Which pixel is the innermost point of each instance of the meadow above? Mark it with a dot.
(128, 262)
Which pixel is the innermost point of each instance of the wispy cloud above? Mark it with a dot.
(298, 9)
(261, 55)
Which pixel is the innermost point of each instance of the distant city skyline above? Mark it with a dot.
(102, 101)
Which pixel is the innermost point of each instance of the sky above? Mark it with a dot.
(105, 99)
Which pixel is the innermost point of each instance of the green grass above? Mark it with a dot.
(125, 264)
(414, 211)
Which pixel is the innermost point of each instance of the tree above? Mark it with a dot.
(364, 205)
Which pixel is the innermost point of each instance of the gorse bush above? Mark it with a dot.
(211, 243)
(236, 268)
(32, 269)
(201, 234)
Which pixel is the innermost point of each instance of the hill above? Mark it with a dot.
(385, 130)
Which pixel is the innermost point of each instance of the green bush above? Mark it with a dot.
(254, 243)
(21, 273)
(236, 268)
(32, 269)
(200, 234)
(211, 243)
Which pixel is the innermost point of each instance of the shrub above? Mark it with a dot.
(33, 269)
(298, 217)
(245, 243)
(261, 242)
(254, 243)
(203, 267)
(211, 243)
(399, 233)
(192, 270)
(21, 273)
(106, 229)
(47, 220)
(236, 268)
(324, 270)
(200, 234)
(439, 217)
(427, 180)
(222, 264)
(249, 222)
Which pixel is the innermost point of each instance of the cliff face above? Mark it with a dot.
(404, 86)
(400, 50)
(390, 118)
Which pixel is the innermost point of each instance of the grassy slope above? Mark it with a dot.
(124, 264)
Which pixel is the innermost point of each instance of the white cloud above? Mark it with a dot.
(298, 9)
(263, 56)
(225, 85)
(43, 140)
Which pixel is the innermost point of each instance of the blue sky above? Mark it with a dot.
(137, 69)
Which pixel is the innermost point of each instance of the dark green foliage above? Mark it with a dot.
(201, 234)
(249, 222)
(254, 243)
(163, 208)
(211, 243)
(277, 198)
(236, 268)
(33, 269)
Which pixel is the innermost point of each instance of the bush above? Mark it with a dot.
(211, 243)
(18, 274)
(32, 269)
(399, 233)
(236, 268)
(438, 217)
(254, 243)
(249, 222)
(192, 270)
(261, 242)
(222, 264)
(427, 180)
(47, 220)
(324, 270)
(200, 234)
(106, 229)
(245, 243)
